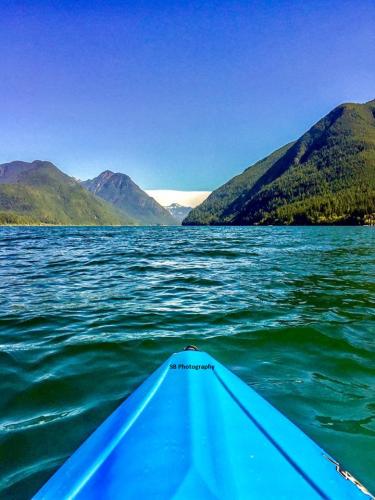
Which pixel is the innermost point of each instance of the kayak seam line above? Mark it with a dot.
(120, 435)
(272, 440)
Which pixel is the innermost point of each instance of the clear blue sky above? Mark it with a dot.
(179, 95)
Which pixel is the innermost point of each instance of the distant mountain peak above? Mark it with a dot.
(11, 172)
(42, 162)
(120, 190)
(107, 173)
(177, 205)
(178, 211)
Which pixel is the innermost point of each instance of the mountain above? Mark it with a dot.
(119, 190)
(39, 193)
(213, 210)
(326, 177)
(179, 212)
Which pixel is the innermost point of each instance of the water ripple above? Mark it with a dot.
(87, 313)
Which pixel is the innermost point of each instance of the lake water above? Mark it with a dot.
(87, 313)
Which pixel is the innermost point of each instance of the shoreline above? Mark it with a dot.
(192, 225)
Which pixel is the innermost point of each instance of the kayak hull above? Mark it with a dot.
(195, 430)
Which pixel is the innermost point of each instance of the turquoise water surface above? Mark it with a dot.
(87, 313)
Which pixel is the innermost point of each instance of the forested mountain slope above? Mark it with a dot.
(326, 177)
(39, 193)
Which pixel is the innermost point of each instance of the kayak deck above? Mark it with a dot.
(195, 430)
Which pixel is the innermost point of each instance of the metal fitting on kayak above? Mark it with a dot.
(191, 348)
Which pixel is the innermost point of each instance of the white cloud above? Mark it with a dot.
(186, 198)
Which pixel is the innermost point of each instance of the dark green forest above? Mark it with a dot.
(326, 177)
